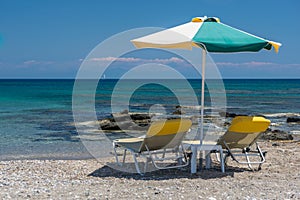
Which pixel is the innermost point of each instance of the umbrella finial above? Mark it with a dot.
(205, 19)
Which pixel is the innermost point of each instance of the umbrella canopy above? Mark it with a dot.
(209, 34)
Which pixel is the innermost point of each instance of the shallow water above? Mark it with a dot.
(37, 120)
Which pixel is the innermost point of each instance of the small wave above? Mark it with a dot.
(191, 107)
(295, 132)
(275, 124)
(87, 123)
(282, 115)
(198, 107)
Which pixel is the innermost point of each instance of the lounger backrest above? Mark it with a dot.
(244, 131)
(166, 134)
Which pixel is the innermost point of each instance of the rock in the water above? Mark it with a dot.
(126, 121)
(233, 115)
(293, 119)
(119, 117)
(140, 116)
(178, 106)
(178, 112)
(276, 135)
(107, 124)
(124, 112)
(228, 114)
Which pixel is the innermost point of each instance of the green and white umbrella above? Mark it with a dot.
(209, 34)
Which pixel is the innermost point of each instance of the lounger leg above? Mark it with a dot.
(116, 155)
(146, 164)
(184, 154)
(124, 155)
(259, 166)
(262, 156)
(182, 157)
(248, 160)
(217, 156)
(225, 158)
(229, 153)
(194, 159)
(207, 160)
(201, 158)
(179, 160)
(136, 163)
(222, 160)
(164, 154)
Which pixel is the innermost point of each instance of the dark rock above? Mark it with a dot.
(126, 121)
(227, 114)
(276, 135)
(223, 114)
(124, 112)
(293, 119)
(140, 116)
(107, 124)
(178, 112)
(227, 123)
(126, 125)
(118, 117)
(231, 115)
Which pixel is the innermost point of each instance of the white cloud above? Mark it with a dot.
(253, 64)
(138, 60)
(35, 62)
(30, 62)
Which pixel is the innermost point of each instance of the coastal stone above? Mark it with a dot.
(124, 112)
(141, 116)
(129, 121)
(276, 135)
(120, 117)
(107, 124)
(293, 120)
(227, 123)
(232, 115)
(228, 114)
(177, 112)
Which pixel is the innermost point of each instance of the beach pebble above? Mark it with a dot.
(92, 179)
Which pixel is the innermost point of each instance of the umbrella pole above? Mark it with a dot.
(202, 95)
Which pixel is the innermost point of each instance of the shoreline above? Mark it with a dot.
(83, 154)
(93, 179)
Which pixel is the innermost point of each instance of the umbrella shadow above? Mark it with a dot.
(111, 170)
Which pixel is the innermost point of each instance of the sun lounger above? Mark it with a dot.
(240, 138)
(161, 144)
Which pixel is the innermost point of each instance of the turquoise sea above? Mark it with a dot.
(36, 119)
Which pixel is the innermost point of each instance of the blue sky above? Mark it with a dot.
(49, 39)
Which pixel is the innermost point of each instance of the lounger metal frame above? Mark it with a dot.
(161, 144)
(178, 154)
(247, 153)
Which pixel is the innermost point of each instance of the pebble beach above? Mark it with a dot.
(279, 178)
